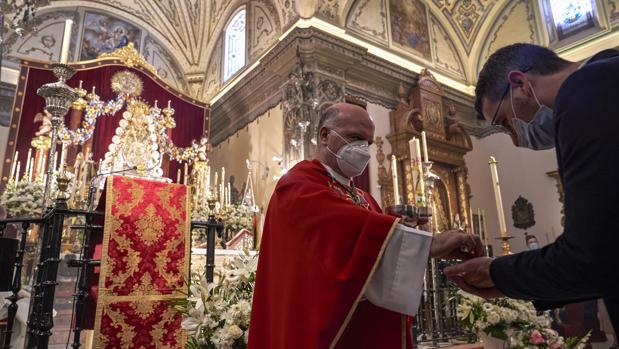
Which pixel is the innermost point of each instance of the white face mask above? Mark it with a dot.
(352, 158)
(539, 133)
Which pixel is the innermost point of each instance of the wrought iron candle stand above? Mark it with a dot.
(436, 321)
(58, 99)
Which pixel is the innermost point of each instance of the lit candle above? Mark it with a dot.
(17, 171)
(497, 196)
(394, 176)
(425, 146)
(66, 41)
(178, 176)
(14, 165)
(186, 167)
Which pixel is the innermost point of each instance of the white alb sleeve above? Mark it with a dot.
(397, 282)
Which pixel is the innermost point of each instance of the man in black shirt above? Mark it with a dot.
(543, 101)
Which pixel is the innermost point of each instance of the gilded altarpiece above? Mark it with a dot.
(424, 108)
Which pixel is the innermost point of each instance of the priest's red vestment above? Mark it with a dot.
(320, 247)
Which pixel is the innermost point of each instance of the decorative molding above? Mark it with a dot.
(365, 77)
(466, 17)
(443, 48)
(369, 19)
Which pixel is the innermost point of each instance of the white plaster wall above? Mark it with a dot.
(521, 172)
(258, 142)
(380, 115)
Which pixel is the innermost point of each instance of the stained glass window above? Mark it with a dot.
(234, 45)
(571, 16)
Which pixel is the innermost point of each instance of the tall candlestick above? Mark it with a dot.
(66, 41)
(497, 196)
(394, 176)
(425, 146)
(14, 165)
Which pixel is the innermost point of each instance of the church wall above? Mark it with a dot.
(521, 172)
(380, 115)
(259, 142)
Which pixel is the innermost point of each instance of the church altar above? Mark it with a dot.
(116, 185)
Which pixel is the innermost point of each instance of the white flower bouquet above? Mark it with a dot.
(513, 321)
(23, 198)
(216, 315)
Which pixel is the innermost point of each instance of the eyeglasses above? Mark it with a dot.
(496, 113)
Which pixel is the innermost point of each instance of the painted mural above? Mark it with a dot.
(409, 26)
(105, 33)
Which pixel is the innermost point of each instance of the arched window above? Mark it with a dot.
(234, 45)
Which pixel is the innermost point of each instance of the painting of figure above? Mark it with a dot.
(409, 26)
(105, 33)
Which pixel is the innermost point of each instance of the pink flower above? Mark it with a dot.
(537, 338)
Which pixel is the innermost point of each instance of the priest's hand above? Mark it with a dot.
(456, 244)
(473, 276)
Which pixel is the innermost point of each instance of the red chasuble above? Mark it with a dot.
(320, 247)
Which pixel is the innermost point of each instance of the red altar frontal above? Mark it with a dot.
(144, 264)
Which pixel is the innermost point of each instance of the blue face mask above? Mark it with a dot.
(539, 133)
(533, 246)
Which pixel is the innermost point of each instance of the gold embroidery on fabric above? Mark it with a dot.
(149, 225)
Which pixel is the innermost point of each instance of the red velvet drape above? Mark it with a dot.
(189, 117)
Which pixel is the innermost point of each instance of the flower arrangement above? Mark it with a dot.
(216, 315)
(23, 198)
(238, 217)
(513, 321)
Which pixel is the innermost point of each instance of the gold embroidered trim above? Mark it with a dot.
(365, 285)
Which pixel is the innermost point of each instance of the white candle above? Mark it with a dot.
(394, 176)
(66, 41)
(17, 171)
(186, 167)
(208, 181)
(178, 176)
(479, 218)
(421, 187)
(31, 171)
(43, 165)
(425, 146)
(14, 165)
(497, 196)
(63, 154)
(29, 158)
(229, 201)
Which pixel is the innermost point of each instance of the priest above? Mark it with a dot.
(334, 272)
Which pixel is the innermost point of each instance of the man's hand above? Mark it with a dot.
(456, 244)
(473, 276)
